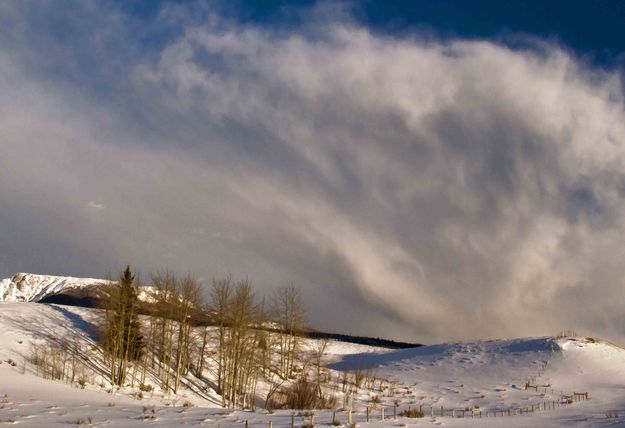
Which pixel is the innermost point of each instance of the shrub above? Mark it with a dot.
(146, 387)
(302, 394)
(411, 413)
(147, 416)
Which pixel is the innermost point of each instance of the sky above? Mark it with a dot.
(423, 171)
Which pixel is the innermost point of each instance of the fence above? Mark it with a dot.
(383, 412)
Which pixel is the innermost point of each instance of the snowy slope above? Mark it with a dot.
(491, 376)
(486, 376)
(28, 287)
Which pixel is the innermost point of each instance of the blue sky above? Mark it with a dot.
(592, 29)
(421, 170)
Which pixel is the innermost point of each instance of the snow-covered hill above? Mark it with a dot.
(28, 287)
(482, 377)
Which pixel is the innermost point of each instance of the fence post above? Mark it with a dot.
(395, 411)
(382, 412)
(432, 412)
(442, 412)
(334, 417)
(292, 420)
(312, 420)
(349, 416)
(367, 413)
(270, 424)
(453, 413)
(246, 424)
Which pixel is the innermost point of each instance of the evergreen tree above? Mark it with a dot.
(122, 331)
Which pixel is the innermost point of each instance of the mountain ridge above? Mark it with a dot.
(30, 287)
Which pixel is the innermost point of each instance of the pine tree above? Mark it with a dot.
(122, 331)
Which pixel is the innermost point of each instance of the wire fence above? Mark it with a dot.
(384, 412)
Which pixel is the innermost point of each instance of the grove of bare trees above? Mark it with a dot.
(224, 338)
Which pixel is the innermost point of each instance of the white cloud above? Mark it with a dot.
(96, 205)
(436, 190)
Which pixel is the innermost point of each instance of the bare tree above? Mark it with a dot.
(187, 303)
(289, 312)
(240, 347)
(240, 339)
(164, 296)
(203, 315)
(219, 304)
(319, 352)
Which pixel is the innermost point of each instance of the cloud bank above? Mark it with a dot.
(412, 188)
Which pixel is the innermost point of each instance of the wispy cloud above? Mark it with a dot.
(413, 188)
(96, 205)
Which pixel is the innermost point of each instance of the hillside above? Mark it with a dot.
(87, 292)
(28, 287)
(485, 377)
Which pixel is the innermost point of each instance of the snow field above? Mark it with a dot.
(483, 376)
